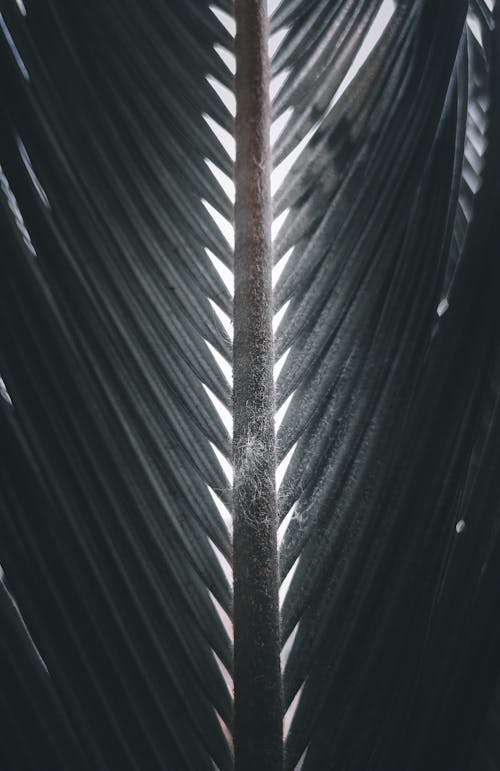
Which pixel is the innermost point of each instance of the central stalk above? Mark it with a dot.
(258, 699)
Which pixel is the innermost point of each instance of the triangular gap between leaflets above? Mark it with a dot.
(224, 463)
(225, 227)
(224, 512)
(227, 735)
(225, 19)
(223, 365)
(285, 523)
(222, 178)
(225, 674)
(226, 621)
(223, 562)
(221, 409)
(225, 138)
(291, 711)
(227, 57)
(286, 583)
(225, 94)
(287, 646)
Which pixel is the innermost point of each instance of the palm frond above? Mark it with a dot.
(393, 366)
(115, 606)
(107, 517)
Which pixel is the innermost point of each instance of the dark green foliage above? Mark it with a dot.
(106, 513)
(106, 519)
(398, 424)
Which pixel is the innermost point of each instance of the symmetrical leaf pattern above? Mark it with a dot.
(115, 608)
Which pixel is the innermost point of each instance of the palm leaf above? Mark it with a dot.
(107, 517)
(115, 601)
(396, 430)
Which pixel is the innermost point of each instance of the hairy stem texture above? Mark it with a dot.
(258, 701)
